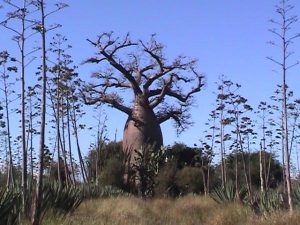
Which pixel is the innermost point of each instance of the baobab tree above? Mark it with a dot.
(162, 90)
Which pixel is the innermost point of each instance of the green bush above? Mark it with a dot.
(112, 173)
(165, 184)
(189, 180)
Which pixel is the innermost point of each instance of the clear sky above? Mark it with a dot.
(227, 36)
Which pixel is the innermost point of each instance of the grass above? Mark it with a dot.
(189, 210)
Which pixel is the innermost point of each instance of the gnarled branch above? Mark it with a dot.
(108, 50)
(180, 115)
(142, 67)
(111, 99)
(177, 94)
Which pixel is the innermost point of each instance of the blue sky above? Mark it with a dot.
(227, 36)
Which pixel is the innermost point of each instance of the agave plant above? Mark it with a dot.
(296, 196)
(61, 199)
(228, 193)
(267, 202)
(9, 207)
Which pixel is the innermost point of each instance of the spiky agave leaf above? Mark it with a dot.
(9, 207)
(228, 193)
(61, 199)
(267, 202)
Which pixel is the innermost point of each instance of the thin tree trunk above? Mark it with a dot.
(261, 171)
(268, 172)
(35, 220)
(29, 142)
(223, 173)
(58, 161)
(57, 131)
(98, 149)
(293, 135)
(204, 181)
(208, 179)
(243, 160)
(249, 160)
(75, 129)
(63, 147)
(23, 121)
(69, 141)
(283, 157)
(297, 152)
(286, 141)
(263, 155)
(285, 55)
(11, 178)
(236, 177)
(210, 158)
(31, 150)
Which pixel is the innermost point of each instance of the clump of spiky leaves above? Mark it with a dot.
(56, 199)
(9, 207)
(61, 199)
(296, 196)
(261, 203)
(228, 194)
(267, 202)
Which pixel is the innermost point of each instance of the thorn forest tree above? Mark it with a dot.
(162, 90)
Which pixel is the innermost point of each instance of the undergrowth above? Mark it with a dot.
(189, 210)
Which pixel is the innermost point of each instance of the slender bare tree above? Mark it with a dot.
(42, 29)
(23, 31)
(285, 39)
(6, 88)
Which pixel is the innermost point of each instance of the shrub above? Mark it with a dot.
(189, 180)
(112, 173)
(165, 184)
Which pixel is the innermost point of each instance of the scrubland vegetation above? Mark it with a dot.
(188, 210)
(242, 171)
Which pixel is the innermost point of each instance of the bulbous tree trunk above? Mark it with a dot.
(154, 81)
(142, 130)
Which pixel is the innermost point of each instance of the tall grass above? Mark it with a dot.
(189, 210)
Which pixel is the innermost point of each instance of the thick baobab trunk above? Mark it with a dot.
(142, 129)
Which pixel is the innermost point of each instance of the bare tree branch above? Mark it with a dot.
(141, 67)
(177, 94)
(179, 115)
(275, 61)
(109, 56)
(109, 99)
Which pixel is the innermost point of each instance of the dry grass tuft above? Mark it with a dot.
(189, 210)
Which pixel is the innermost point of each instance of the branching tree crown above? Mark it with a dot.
(142, 67)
